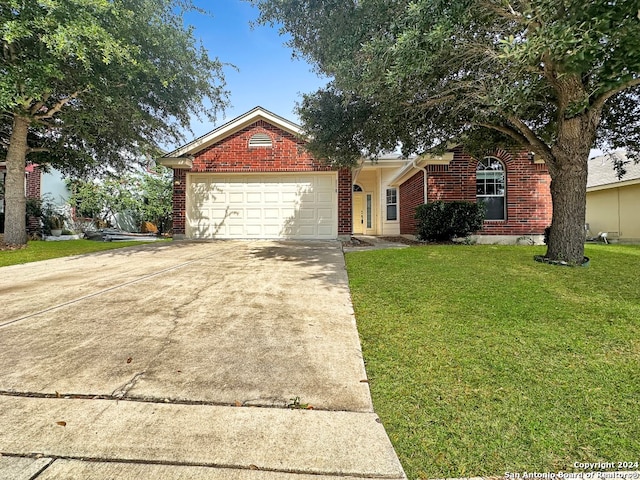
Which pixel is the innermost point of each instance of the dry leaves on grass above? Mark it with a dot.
(9, 246)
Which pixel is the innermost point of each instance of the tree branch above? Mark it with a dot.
(38, 105)
(431, 102)
(533, 140)
(517, 136)
(602, 99)
(37, 150)
(507, 11)
(57, 107)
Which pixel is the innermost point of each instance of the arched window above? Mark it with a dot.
(491, 187)
(260, 140)
(357, 188)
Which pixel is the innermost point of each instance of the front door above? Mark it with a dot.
(358, 213)
(363, 213)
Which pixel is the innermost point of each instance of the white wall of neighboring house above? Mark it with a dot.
(53, 186)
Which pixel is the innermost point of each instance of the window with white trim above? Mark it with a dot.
(491, 187)
(392, 204)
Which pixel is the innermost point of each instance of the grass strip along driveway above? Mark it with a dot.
(39, 250)
(482, 361)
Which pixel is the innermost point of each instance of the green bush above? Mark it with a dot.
(438, 221)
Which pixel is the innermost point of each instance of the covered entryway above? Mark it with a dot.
(262, 205)
(362, 211)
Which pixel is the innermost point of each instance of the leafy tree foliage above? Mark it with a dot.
(86, 84)
(555, 77)
(145, 196)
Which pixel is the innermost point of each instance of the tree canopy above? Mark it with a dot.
(555, 77)
(91, 84)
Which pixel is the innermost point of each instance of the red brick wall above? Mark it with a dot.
(528, 197)
(179, 201)
(411, 195)
(233, 154)
(345, 193)
(34, 177)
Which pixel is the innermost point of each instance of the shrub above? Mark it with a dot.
(438, 221)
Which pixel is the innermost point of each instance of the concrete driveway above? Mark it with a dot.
(153, 361)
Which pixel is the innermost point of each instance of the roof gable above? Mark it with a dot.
(233, 126)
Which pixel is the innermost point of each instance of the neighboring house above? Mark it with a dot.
(613, 204)
(253, 178)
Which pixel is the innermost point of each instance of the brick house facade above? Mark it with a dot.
(228, 155)
(253, 178)
(527, 196)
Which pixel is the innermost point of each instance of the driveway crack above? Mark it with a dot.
(122, 391)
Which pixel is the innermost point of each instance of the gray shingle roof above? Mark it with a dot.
(601, 170)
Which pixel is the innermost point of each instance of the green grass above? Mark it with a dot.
(36, 251)
(482, 361)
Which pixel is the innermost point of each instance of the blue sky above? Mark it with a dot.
(266, 76)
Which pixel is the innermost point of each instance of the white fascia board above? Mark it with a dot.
(444, 159)
(177, 163)
(232, 127)
(409, 171)
(374, 164)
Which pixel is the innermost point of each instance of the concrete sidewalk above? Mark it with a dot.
(186, 360)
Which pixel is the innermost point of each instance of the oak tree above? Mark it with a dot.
(556, 77)
(91, 84)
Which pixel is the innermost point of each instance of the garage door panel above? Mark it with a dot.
(254, 214)
(307, 213)
(272, 197)
(306, 231)
(262, 206)
(325, 213)
(254, 197)
(271, 213)
(289, 197)
(235, 197)
(325, 182)
(325, 197)
(324, 230)
(235, 230)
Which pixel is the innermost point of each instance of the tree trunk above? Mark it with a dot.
(15, 229)
(569, 197)
(569, 168)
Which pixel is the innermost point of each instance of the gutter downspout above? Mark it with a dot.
(424, 170)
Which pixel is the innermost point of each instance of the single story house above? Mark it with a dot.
(612, 203)
(253, 178)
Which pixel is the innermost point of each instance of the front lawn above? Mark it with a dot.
(482, 361)
(39, 250)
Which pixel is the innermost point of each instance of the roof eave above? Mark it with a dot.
(176, 163)
(422, 161)
(607, 186)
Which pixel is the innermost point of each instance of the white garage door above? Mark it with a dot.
(262, 206)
